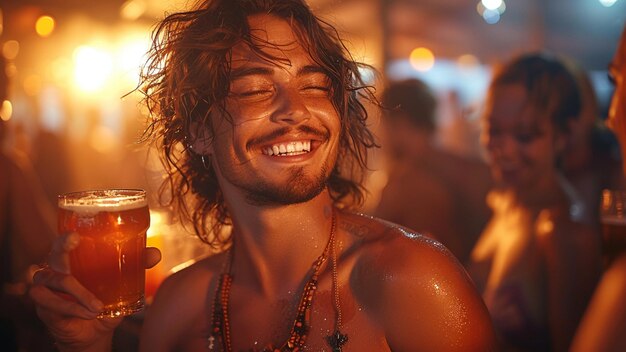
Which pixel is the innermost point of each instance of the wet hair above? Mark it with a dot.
(413, 100)
(187, 79)
(551, 88)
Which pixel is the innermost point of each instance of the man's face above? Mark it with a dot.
(282, 144)
(521, 144)
(617, 109)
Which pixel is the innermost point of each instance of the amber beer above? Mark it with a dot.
(109, 259)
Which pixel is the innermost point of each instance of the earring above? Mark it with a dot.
(205, 163)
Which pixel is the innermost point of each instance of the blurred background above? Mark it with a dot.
(71, 64)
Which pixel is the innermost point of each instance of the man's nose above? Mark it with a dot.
(291, 107)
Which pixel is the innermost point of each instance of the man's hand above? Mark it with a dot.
(67, 308)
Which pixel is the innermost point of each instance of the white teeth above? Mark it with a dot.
(286, 149)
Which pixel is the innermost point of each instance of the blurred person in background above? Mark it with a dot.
(257, 111)
(603, 327)
(430, 190)
(27, 229)
(537, 262)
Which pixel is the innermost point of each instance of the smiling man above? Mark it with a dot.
(255, 106)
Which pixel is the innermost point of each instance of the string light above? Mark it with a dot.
(492, 4)
(422, 59)
(44, 26)
(491, 10)
(607, 3)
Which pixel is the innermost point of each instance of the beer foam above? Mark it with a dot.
(96, 201)
(613, 220)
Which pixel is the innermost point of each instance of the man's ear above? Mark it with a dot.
(200, 139)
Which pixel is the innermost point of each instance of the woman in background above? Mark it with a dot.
(536, 264)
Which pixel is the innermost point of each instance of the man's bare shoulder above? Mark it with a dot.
(386, 254)
(181, 300)
(374, 236)
(415, 288)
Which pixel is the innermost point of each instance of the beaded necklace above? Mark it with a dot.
(220, 328)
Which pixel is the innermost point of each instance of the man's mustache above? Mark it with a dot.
(308, 130)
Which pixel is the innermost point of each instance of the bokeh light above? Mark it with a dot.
(6, 110)
(607, 3)
(130, 56)
(44, 26)
(133, 9)
(491, 16)
(491, 10)
(492, 4)
(92, 68)
(10, 49)
(422, 59)
(467, 61)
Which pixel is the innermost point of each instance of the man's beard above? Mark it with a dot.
(298, 189)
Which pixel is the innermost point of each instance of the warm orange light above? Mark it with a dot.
(6, 110)
(32, 85)
(422, 59)
(44, 26)
(92, 68)
(133, 9)
(10, 49)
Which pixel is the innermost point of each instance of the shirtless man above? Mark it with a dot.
(264, 99)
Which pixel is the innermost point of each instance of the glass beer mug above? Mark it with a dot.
(109, 259)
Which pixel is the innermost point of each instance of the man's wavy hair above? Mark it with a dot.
(186, 80)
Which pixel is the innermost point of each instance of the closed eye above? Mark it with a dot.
(322, 88)
(252, 93)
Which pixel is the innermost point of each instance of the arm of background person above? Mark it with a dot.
(573, 258)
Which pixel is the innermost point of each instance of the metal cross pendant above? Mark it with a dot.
(336, 340)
